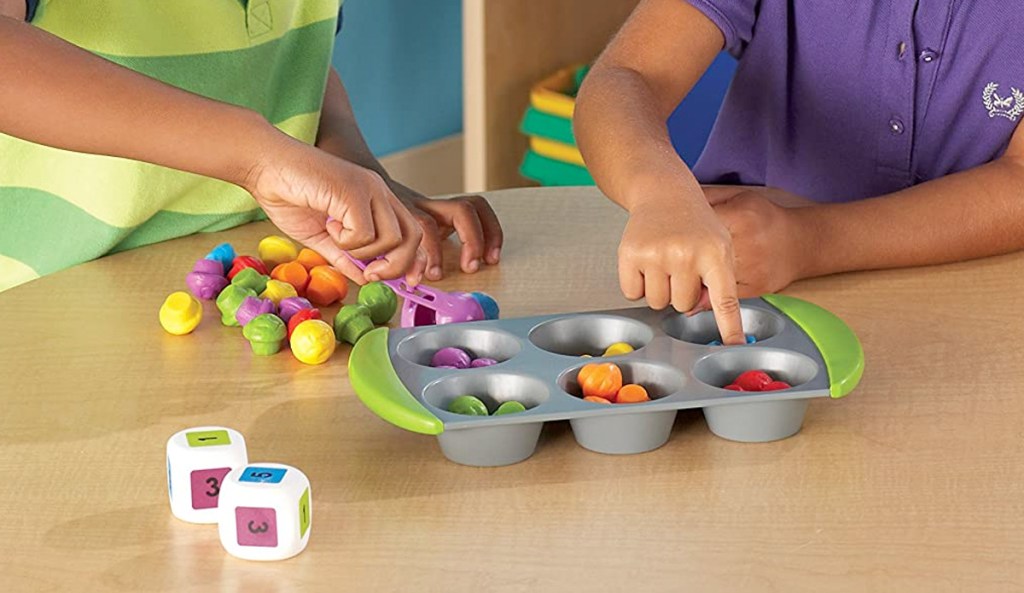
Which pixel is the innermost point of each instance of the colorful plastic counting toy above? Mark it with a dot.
(617, 349)
(312, 341)
(229, 300)
(488, 304)
(379, 300)
(301, 316)
(600, 380)
(275, 250)
(180, 314)
(457, 358)
(206, 279)
(246, 261)
(278, 291)
(311, 259)
(225, 254)
(326, 286)
(471, 405)
(293, 273)
(751, 339)
(252, 279)
(756, 381)
(265, 512)
(800, 345)
(251, 308)
(265, 333)
(352, 323)
(292, 305)
(198, 459)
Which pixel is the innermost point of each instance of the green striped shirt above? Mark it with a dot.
(61, 208)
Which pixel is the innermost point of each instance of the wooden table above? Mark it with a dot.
(912, 483)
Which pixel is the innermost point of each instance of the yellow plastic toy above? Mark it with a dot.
(180, 313)
(278, 291)
(617, 349)
(313, 341)
(275, 250)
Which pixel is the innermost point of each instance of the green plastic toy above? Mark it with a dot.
(266, 334)
(351, 323)
(251, 279)
(511, 407)
(468, 405)
(230, 299)
(379, 300)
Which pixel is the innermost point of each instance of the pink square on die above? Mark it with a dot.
(206, 487)
(256, 526)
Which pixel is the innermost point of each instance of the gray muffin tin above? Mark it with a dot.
(540, 357)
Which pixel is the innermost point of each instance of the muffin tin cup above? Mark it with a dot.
(491, 446)
(758, 422)
(589, 334)
(798, 343)
(624, 434)
(702, 328)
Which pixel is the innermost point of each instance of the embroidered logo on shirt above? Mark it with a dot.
(1011, 106)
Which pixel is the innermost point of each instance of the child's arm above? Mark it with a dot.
(971, 214)
(673, 241)
(471, 217)
(54, 93)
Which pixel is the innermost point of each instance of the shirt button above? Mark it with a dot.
(929, 55)
(896, 126)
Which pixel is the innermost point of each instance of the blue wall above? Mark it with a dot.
(401, 61)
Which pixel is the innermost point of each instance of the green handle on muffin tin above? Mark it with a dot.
(377, 384)
(839, 346)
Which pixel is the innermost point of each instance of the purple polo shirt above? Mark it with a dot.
(844, 100)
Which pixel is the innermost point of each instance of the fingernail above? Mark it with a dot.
(434, 273)
(373, 277)
(495, 255)
(473, 266)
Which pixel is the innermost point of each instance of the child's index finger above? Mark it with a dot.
(725, 304)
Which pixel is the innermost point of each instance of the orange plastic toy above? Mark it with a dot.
(596, 400)
(632, 394)
(293, 273)
(326, 286)
(311, 259)
(600, 380)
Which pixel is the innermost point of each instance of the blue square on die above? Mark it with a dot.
(268, 475)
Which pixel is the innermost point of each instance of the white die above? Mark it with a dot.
(198, 459)
(266, 512)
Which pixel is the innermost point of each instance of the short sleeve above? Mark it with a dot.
(736, 19)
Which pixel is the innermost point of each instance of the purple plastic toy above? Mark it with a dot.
(429, 306)
(292, 305)
(206, 279)
(251, 308)
(482, 362)
(451, 357)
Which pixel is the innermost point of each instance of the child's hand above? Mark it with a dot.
(768, 241)
(471, 217)
(299, 187)
(670, 250)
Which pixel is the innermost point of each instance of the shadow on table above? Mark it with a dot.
(359, 457)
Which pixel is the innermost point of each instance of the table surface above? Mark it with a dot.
(912, 483)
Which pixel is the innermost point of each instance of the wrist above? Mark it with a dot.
(264, 145)
(818, 237)
(670, 191)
